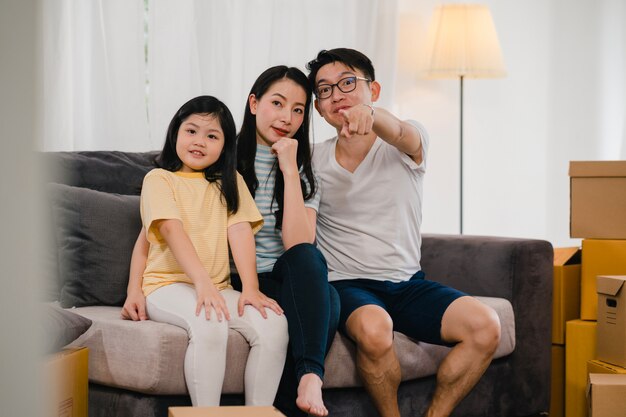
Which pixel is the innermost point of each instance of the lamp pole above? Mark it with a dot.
(461, 157)
(462, 42)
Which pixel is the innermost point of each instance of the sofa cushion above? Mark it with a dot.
(94, 233)
(148, 356)
(61, 327)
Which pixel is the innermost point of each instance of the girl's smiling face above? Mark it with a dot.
(279, 112)
(199, 142)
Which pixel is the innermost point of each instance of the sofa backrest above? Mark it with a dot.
(108, 171)
(93, 213)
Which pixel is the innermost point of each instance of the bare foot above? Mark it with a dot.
(310, 395)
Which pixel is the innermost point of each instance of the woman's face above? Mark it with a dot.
(279, 112)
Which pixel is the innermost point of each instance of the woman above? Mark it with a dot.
(274, 158)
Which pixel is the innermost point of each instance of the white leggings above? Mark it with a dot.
(205, 359)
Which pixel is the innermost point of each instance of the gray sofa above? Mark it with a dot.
(136, 368)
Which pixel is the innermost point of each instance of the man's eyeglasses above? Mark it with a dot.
(345, 85)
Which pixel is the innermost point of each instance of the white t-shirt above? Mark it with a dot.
(368, 223)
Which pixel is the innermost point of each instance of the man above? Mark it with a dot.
(368, 229)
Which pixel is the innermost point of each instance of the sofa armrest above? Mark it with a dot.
(519, 270)
(512, 268)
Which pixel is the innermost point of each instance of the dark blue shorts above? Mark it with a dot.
(415, 306)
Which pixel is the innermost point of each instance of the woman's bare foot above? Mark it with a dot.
(310, 395)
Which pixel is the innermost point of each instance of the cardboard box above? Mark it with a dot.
(566, 291)
(598, 199)
(611, 337)
(606, 395)
(231, 411)
(579, 349)
(66, 382)
(599, 367)
(599, 257)
(557, 393)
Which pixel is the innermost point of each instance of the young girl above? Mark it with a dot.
(274, 158)
(192, 207)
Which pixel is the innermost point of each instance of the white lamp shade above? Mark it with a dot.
(462, 41)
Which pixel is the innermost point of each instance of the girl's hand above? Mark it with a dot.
(209, 296)
(258, 300)
(135, 307)
(357, 120)
(286, 149)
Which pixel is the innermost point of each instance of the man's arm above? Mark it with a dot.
(362, 119)
(403, 135)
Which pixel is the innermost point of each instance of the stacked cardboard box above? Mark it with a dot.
(565, 307)
(598, 216)
(607, 395)
(580, 348)
(611, 338)
(600, 257)
(598, 199)
(65, 379)
(606, 398)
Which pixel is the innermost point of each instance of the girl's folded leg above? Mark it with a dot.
(268, 347)
(205, 359)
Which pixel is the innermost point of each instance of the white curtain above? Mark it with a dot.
(99, 93)
(93, 75)
(220, 47)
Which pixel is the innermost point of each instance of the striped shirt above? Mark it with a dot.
(197, 203)
(269, 243)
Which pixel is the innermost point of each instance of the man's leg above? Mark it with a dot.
(476, 328)
(371, 328)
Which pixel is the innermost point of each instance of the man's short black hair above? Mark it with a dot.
(350, 57)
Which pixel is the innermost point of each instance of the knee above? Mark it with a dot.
(373, 333)
(485, 330)
(304, 253)
(279, 327)
(272, 331)
(210, 333)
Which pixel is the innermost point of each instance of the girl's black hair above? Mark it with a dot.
(224, 171)
(350, 57)
(247, 146)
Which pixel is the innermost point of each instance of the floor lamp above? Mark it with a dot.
(462, 42)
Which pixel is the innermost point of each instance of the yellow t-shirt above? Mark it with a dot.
(197, 203)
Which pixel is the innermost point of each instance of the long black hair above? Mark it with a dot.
(224, 170)
(247, 146)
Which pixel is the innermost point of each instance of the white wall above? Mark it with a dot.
(562, 99)
(587, 100)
